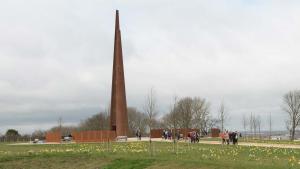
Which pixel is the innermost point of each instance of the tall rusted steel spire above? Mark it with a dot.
(118, 115)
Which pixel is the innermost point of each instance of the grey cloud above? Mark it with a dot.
(56, 56)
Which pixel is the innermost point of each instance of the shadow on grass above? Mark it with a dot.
(129, 163)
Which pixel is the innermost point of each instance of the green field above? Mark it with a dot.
(138, 155)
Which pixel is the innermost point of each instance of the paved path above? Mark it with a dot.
(201, 142)
(219, 142)
(257, 144)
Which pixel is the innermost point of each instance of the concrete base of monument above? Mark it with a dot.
(121, 138)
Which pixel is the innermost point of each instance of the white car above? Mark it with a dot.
(67, 138)
(36, 140)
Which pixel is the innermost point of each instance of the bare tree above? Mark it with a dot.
(288, 127)
(170, 120)
(292, 108)
(59, 121)
(258, 124)
(38, 134)
(254, 122)
(200, 110)
(136, 121)
(222, 115)
(184, 108)
(167, 121)
(64, 130)
(99, 121)
(245, 124)
(172, 117)
(270, 126)
(209, 123)
(150, 109)
(189, 112)
(251, 125)
(174, 113)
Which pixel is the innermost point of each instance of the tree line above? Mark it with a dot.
(194, 112)
(185, 112)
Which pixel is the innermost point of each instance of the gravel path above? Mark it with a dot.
(257, 144)
(219, 142)
(201, 142)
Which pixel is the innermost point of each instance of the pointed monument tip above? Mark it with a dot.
(117, 19)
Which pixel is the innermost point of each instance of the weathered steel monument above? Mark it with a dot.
(118, 112)
(118, 115)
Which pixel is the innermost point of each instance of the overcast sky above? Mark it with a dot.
(56, 57)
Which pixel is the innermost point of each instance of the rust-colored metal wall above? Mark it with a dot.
(53, 137)
(157, 133)
(214, 132)
(94, 136)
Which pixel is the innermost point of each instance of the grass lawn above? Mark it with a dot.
(138, 155)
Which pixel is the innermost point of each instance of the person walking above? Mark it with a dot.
(164, 134)
(226, 136)
(137, 134)
(237, 137)
(222, 136)
(140, 135)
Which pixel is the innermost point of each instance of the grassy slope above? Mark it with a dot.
(136, 155)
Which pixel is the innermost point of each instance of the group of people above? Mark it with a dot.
(230, 137)
(167, 135)
(227, 137)
(194, 137)
(138, 134)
